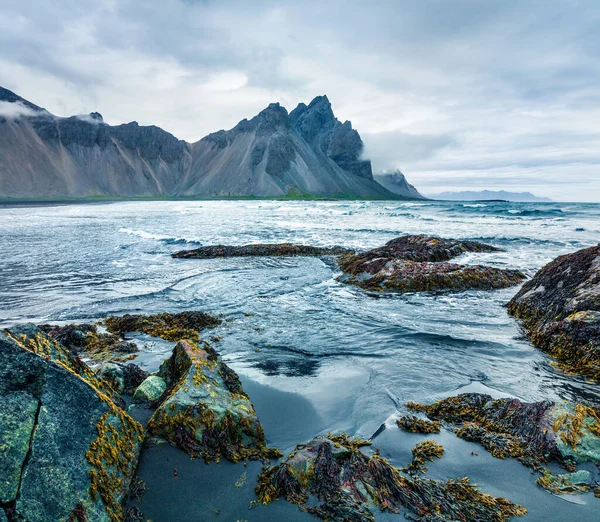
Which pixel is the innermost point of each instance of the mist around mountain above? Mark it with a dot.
(487, 195)
(305, 153)
(395, 181)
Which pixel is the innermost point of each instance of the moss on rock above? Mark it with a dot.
(204, 412)
(560, 311)
(335, 481)
(416, 264)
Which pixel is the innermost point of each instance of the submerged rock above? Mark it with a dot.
(560, 310)
(350, 485)
(571, 483)
(533, 433)
(68, 451)
(171, 327)
(207, 413)
(150, 390)
(260, 250)
(417, 264)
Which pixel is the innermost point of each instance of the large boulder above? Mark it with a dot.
(207, 413)
(534, 433)
(150, 390)
(417, 264)
(560, 310)
(260, 250)
(331, 478)
(68, 452)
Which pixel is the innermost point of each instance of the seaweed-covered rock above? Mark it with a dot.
(68, 452)
(207, 413)
(417, 264)
(123, 378)
(533, 433)
(571, 483)
(260, 250)
(349, 485)
(413, 424)
(85, 339)
(171, 327)
(422, 452)
(560, 310)
(150, 390)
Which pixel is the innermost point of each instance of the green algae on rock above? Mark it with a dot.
(413, 424)
(206, 412)
(171, 327)
(150, 390)
(533, 433)
(260, 250)
(571, 483)
(350, 485)
(81, 448)
(560, 311)
(416, 264)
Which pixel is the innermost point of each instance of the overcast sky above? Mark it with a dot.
(459, 94)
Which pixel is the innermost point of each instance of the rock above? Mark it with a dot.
(133, 376)
(560, 311)
(413, 424)
(3, 516)
(85, 339)
(264, 250)
(150, 390)
(414, 264)
(533, 433)
(171, 327)
(332, 479)
(73, 451)
(207, 413)
(112, 374)
(568, 483)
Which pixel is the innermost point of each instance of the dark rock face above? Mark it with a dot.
(67, 449)
(534, 433)
(560, 310)
(260, 250)
(206, 411)
(396, 182)
(415, 264)
(346, 484)
(307, 152)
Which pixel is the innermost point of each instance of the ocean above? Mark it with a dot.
(314, 355)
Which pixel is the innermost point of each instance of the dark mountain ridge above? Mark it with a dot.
(306, 152)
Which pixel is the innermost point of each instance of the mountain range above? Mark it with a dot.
(396, 182)
(307, 152)
(487, 195)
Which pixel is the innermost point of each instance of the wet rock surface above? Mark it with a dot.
(418, 264)
(260, 250)
(534, 433)
(150, 390)
(331, 478)
(171, 327)
(560, 310)
(68, 451)
(206, 412)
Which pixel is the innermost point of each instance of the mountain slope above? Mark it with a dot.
(396, 182)
(275, 153)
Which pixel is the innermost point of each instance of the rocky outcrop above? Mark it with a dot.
(415, 264)
(68, 451)
(534, 433)
(396, 182)
(260, 250)
(560, 311)
(332, 479)
(170, 327)
(151, 389)
(206, 411)
(302, 154)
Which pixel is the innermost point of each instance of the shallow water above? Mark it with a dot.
(348, 359)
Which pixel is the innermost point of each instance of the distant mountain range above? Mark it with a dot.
(307, 152)
(486, 195)
(396, 182)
